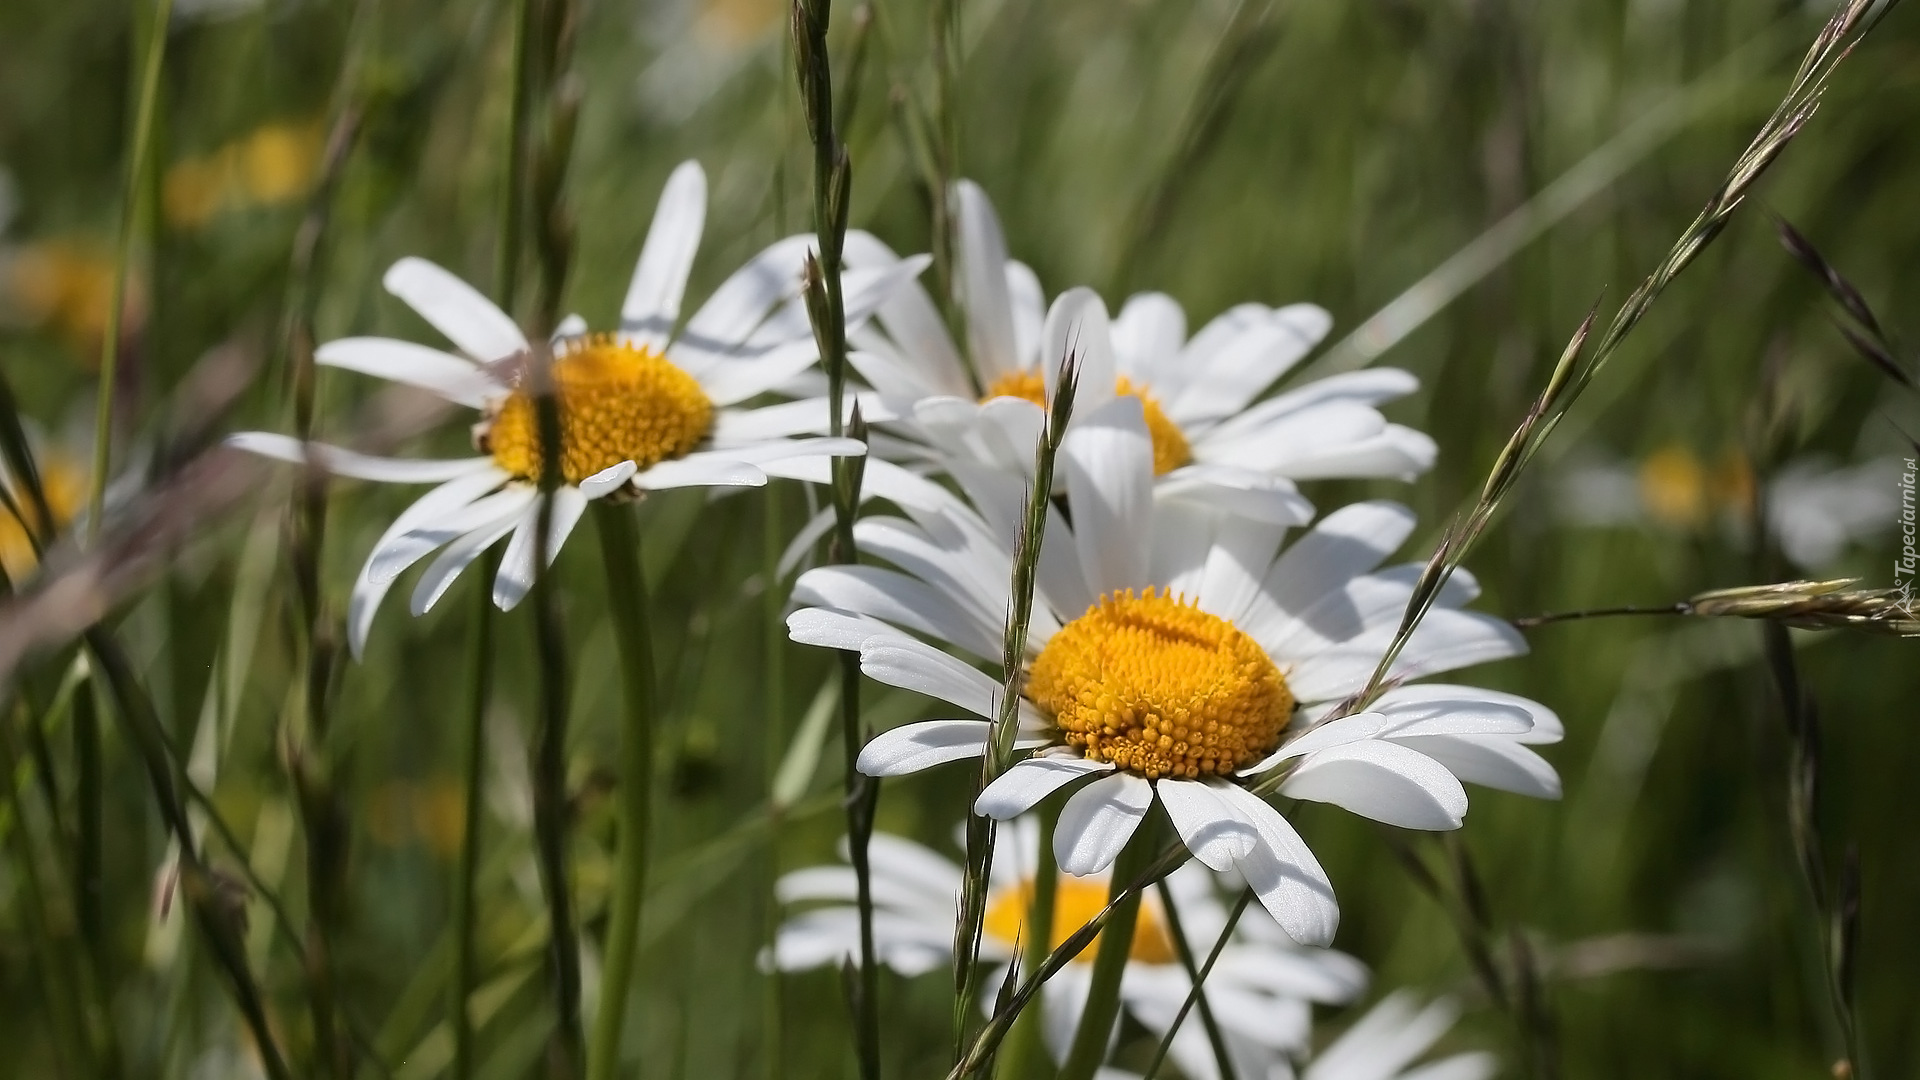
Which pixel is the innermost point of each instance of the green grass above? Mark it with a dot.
(1368, 143)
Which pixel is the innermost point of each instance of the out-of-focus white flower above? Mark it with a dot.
(1197, 394)
(1816, 509)
(1261, 989)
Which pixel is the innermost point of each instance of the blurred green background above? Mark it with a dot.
(1357, 146)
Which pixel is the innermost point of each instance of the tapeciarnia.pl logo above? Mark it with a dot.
(1905, 565)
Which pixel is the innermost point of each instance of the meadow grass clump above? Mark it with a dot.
(1045, 656)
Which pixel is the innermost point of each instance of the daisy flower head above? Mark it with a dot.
(1261, 989)
(642, 407)
(1175, 654)
(1197, 393)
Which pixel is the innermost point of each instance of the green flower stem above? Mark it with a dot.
(627, 601)
(774, 686)
(473, 766)
(139, 149)
(58, 964)
(1025, 1054)
(1110, 962)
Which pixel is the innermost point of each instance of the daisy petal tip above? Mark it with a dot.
(608, 480)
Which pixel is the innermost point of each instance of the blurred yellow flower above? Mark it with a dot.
(1673, 486)
(278, 161)
(65, 484)
(1733, 483)
(430, 812)
(195, 190)
(1681, 491)
(273, 164)
(734, 23)
(67, 284)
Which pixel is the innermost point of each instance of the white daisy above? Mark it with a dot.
(642, 408)
(1261, 989)
(1172, 651)
(1197, 393)
(1384, 1044)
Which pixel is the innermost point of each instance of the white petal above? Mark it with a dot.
(1225, 379)
(1341, 546)
(441, 573)
(454, 379)
(805, 417)
(392, 557)
(1371, 387)
(700, 470)
(1280, 446)
(367, 593)
(515, 579)
(1395, 452)
(1447, 699)
(1077, 329)
(1474, 1065)
(742, 302)
(1029, 310)
(926, 349)
(913, 747)
(1022, 786)
(1198, 356)
(1391, 1034)
(983, 284)
(865, 290)
(1098, 821)
(915, 665)
(608, 480)
(768, 451)
(1063, 999)
(836, 629)
(1382, 781)
(660, 278)
(1463, 710)
(1235, 566)
(1207, 823)
(1283, 873)
(572, 326)
(879, 480)
(901, 600)
(1147, 336)
(898, 858)
(456, 309)
(730, 379)
(1240, 492)
(1490, 761)
(1336, 732)
(1443, 641)
(1108, 461)
(341, 462)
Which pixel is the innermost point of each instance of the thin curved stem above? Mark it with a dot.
(1194, 996)
(141, 138)
(626, 584)
(473, 766)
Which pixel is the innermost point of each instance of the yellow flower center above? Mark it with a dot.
(618, 402)
(1075, 902)
(1170, 449)
(1160, 688)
